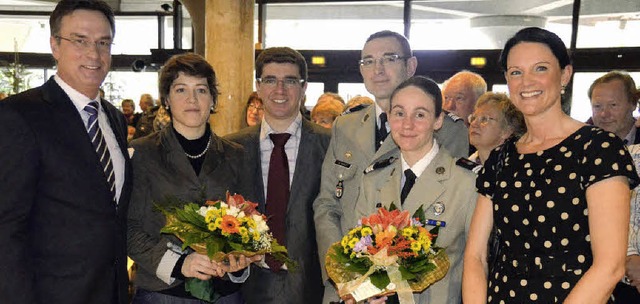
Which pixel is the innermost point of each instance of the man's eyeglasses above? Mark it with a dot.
(103, 45)
(482, 120)
(288, 82)
(386, 60)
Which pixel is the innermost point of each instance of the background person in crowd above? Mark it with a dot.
(424, 175)
(128, 108)
(330, 97)
(285, 155)
(494, 120)
(3, 95)
(186, 161)
(325, 112)
(386, 61)
(254, 111)
(358, 100)
(145, 125)
(460, 93)
(614, 97)
(66, 176)
(558, 195)
(628, 291)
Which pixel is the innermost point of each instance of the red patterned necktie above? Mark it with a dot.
(277, 193)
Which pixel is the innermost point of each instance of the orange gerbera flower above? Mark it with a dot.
(230, 224)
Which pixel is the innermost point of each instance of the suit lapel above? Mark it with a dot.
(302, 176)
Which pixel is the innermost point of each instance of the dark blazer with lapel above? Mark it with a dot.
(64, 239)
(305, 284)
(162, 171)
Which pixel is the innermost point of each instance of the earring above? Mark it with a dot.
(166, 107)
(562, 90)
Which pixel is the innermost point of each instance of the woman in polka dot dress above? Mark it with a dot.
(558, 195)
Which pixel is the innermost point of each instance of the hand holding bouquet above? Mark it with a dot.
(220, 229)
(388, 252)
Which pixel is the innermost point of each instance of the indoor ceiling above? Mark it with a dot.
(551, 10)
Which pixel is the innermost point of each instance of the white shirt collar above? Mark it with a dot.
(422, 164)
(265, 128)
(79, 100)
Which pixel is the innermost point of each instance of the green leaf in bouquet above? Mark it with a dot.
(202, 290)
(380, 279)
(434, 231)
(419, 214)
(236, 246)
(393, 207)
(214, 245)
(406, 274)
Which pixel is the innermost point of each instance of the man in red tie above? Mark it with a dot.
(286, 151)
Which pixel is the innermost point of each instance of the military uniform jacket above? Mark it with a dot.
(446, 193)
(351, 150)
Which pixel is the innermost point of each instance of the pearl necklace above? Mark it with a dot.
(201, 154)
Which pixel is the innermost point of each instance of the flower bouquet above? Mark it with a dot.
(388, 252)
(220, 228)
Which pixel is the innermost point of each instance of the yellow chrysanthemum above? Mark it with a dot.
(353, 242)
(251, 223)
(407, 232)
(366, 231)
(218, 223)
(345, 241)
(415, 246)
(211, 226)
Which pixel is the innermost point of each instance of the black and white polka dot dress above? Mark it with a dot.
(540, 212)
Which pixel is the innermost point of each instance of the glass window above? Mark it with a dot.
(330, 25)
(314, 90)
(581, 105)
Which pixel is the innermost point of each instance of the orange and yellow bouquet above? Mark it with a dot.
(220, 228)
(388, 252)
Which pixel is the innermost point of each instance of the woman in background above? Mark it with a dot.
(494, 119)
(253, 110)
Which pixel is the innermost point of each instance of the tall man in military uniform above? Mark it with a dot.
(386, 61)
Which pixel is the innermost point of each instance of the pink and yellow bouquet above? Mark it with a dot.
(388, 252)
(220, 228)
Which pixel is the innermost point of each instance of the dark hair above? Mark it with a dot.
(190, 64)
(427, 86)
(281, 55)
(629, 85)
(66, 7)
(402, 40)
(536, 34)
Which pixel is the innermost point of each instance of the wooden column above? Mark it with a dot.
(228, 46)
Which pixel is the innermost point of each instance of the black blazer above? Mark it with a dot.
(304, 285)
(63, 238)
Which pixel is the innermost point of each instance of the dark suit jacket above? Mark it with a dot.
(63, 239)
(162, 170)
(304, 285)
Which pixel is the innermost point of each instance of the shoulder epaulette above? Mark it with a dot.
(380, 164)
(355, 109)
(469, 165)
(453, 116)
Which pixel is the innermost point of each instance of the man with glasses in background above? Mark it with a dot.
(65, 173)
(386, 61)
(460, 93)
(286, 152)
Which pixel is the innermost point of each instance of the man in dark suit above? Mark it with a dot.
(62, 205)
(281, 83)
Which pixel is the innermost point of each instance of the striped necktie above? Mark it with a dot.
(95, 134)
